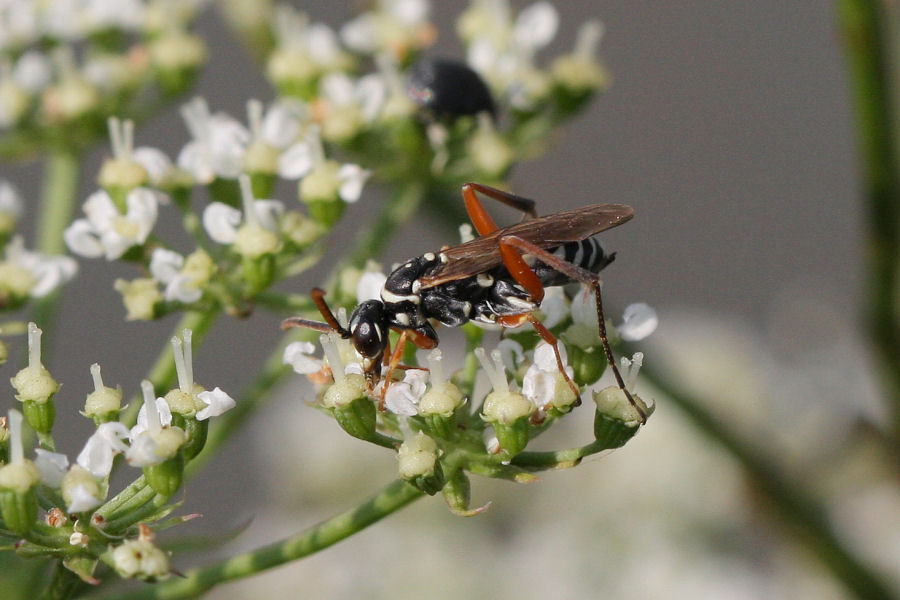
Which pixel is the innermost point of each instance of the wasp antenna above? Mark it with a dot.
(318, 297)
(300, 322)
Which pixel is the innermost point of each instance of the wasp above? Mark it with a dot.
(498, 278)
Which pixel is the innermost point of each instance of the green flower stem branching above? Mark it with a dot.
(872, 44)
(392, 498)
(62, 171)
(794, 505)
(557, 459)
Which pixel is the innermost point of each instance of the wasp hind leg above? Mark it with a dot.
(480, 218)
(513, 248)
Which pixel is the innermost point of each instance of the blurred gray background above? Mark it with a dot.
(727, 128)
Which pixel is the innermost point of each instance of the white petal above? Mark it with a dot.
(281, 123)
(182, 288)
(142, 210)
(640, 320)
(196, 159)
(536, 26)
(10, 199)
(322, 43)
(101, 211)
(359, 34)
(584, 308)
(33, 71)
(165, 264)
(371, 94)
(545, 358)
(299, 356)
(370, 285)
(400, 400)
(155, 161)
(296, 161)
(352, 178)
(165, 419)
(410, 12)
(100, 449)
(51, 272)
(338, 89)
(82, 500)
(221, 222)
(217, 402)
(539, 385)
(142, 452)
(81, 239)
(268, 213)
(554, 306)
(417, 380)
(52, 465)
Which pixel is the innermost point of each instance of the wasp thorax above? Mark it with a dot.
(368, 328)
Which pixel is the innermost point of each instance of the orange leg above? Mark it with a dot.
(513, 248)
(480, 218)
(421, 341)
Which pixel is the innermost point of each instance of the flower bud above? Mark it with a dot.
(140, 297)
(140, 559)
(301, 230)
(319, 191)
(488, 151)
(18, 495)
(176, 55)
(104, 403)
(70, 99)
(120, 176)
(437, 406)
(293, 73)
(616, 420)
(588, 364)
(16, 283)
(165, 478)
(418, 463)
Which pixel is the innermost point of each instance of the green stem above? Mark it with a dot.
(60, 186)
(556, 459)
(62, 585)
(794, 505)
(871, 35)
(393, 497)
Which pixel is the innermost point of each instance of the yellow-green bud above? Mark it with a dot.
(15, 283)
(69, 100)
(119, 177)
(616, 420)
(177, 55)
(14, 102)
(254, 241)
(345, 391)
(103, 405)
(184, 404)
(18, 496)
(418, 464)
(441, 399)
(165, 478)
(261, 157)
(300, 230)
(34, 383)
(489, 152)
(140, 559)
(341, 124)
(293, 72)
(506, 407)
(140, 297)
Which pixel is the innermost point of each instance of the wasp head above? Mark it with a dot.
(368, 330)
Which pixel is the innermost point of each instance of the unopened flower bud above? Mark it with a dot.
(418, 463)
(18, 481)
(140, 297)
(70, 99)
(320, 191)
(35, 386)
(489, 152)
(176, 55)
(104, 403)
(616, 419)
(140, 559)
(301, 230)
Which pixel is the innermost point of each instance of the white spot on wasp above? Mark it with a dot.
(484, 280)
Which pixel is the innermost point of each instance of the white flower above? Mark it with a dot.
(222, 222)
(166, 266)
(142, 452)
(352, 178)
(391, 25)
(217, 402)
(108, 232)
(280, 125)
(303, 157)
(82, 499)
(155, 161)
(218, 145)
(300, 356)
(366, 94)
(49, 272)
(52, 465)
(316, 42)
(10, 200)
(144, 423)
(402, 397)
(541, 380)
(554, 306)
(100, 449)
(33, 71)
(638, 321)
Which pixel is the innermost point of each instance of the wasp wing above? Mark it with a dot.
(483, 254)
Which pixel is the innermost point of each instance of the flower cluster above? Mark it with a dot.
(25, 274)
(169, 431)
(65, 65)
(430, 416)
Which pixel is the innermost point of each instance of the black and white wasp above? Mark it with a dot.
(498, 278)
